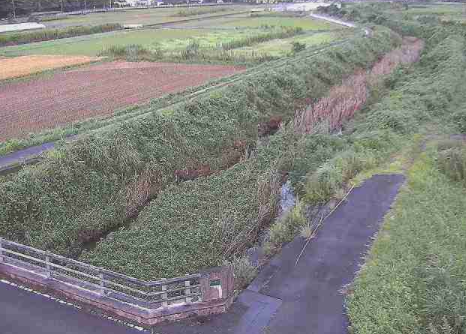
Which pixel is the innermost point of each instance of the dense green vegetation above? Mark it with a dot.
(211, 219)
(94, 184)
(413, 281)
(52, 34)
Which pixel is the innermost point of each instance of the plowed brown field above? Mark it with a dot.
(44, 103)
(25, 65)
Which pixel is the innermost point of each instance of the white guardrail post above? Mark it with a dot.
(187, 291)
(164, 295)
(102, 283)
(47, 265)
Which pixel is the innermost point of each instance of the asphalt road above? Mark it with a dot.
(23, 312)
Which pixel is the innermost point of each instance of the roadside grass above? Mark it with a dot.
(426, 97)
(452, 160)
(413, 280)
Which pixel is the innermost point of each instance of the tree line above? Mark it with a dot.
(11, 8)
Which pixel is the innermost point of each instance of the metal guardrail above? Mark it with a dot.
(147, 294)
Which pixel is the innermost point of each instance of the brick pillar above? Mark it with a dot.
(217, 283)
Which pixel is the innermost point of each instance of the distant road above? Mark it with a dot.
(23, 312)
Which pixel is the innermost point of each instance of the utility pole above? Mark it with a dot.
(61, 3)
(14, 8)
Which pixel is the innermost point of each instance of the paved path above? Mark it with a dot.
(23, 312)
(306, 298)
(12, 159)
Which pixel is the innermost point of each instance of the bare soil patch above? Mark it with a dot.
(97, 90)
(25, 65)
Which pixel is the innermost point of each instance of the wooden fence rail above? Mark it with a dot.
(164, 296)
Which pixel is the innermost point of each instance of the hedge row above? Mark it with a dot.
(95, 183)
(52, 34)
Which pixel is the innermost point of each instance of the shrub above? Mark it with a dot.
(459, 119)
(367, 151)
(452, 162)
(297, 47)
(243, 271)
(284, 230)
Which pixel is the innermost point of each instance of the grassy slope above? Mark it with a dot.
(413, 281)
(416, 270)
(88, 187)
(163, 105)
(206, 221)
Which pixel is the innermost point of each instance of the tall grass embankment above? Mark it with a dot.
(94, 184)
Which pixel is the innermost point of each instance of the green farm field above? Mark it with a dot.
(282, 47)
(176, 39)
(301, 22)
(94, 44)
(137, 16)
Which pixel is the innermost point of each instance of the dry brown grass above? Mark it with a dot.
(344, 100)
(26, 65)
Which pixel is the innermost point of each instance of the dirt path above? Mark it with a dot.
(306, 298)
